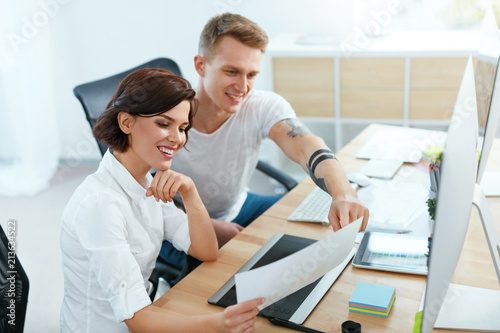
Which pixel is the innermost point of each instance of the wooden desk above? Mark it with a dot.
(189, 296)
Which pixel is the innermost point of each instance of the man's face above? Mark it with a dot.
(230, 73)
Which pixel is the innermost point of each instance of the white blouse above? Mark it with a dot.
(111, 234)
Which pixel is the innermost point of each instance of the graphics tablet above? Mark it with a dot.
(393, 252)
(297, 306)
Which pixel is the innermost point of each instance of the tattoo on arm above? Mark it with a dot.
(316, 158)
(317, 152)
(296, 128)
(320, 182)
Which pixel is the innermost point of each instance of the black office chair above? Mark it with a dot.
(95, 95)
(14, 287)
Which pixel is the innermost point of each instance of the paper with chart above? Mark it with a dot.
(285, 276)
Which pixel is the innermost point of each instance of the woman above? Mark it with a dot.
(113, 226)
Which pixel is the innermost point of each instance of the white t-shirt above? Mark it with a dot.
(111, 234)
(222, 163)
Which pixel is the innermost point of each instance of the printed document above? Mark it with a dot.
(285, 276)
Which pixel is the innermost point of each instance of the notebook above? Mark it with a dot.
(297, 306)
(379, 168)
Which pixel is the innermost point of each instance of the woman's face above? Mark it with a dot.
(155, 140)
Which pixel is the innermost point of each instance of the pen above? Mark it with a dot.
(293, 326)
(432, 175)
(389, 230)
(437, 172)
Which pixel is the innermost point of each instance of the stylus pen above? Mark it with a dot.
(389, 230)
(293, 326)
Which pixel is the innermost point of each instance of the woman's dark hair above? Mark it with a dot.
(145, 92)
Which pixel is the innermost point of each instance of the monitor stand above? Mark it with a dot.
(489, 228)
(471, 308)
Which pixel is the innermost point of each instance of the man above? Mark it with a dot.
(230, 124)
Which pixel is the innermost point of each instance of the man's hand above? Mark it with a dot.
(311, 152)
(346, 209)
(225, 231)
(167, 183)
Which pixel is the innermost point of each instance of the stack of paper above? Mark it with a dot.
(373, 299)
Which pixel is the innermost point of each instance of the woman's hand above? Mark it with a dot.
(167, 183)
(164, 186)
(240, 318)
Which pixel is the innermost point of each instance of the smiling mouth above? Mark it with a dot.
(236, 97)
(166, 150)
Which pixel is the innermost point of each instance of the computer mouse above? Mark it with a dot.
(359, 178)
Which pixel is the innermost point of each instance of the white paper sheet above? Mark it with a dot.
(398, 144)
(285, 276)
(392, 203)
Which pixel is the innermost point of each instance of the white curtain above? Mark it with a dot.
(29, 144)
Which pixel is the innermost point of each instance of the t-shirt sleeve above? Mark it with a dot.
(176, 227)
(270, 108)
(102, 235)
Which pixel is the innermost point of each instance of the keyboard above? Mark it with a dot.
(314, 208)
(384, 169)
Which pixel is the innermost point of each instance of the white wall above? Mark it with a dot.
(92, 39)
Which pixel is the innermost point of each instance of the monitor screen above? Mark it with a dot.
(447, 305)
(487, 92)
(485, 72)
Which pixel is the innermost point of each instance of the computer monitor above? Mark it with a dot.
(454, 202)
(487, 87)
(469, 307)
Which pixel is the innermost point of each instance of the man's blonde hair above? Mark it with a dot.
(237, 26)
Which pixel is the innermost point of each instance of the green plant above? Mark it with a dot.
(431, 207)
